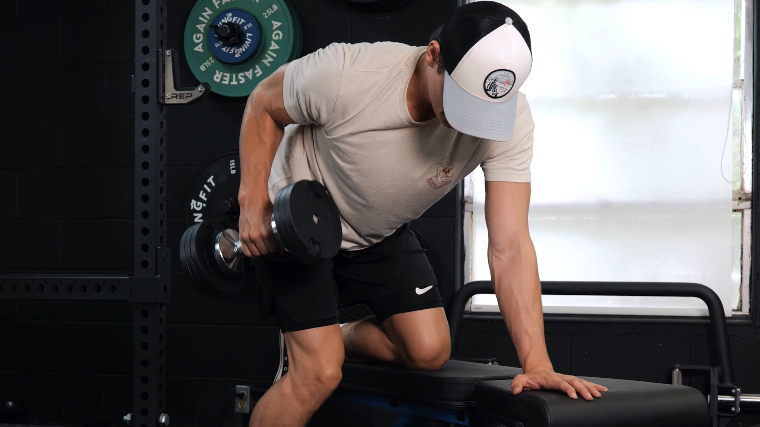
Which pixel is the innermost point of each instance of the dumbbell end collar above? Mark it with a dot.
(228, 252)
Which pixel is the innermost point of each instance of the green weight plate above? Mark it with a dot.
(279, 32)
(295, 52)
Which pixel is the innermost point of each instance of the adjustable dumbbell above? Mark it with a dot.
(305, 222)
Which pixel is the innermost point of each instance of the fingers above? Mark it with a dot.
(249, 249)
(517, 386)
(587, 389)
(581, 388)
(271, 242)
(261, 243)
(253, 244)
(595, 389)
(259, 246)
(566, 388)
(568, 384)
(258, 243)
(557, 382)
(524, 382)
(255, 230)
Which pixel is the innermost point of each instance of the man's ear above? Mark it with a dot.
(432, 53)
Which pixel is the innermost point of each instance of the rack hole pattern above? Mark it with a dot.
(58, 288)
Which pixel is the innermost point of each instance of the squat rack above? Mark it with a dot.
(149, 289)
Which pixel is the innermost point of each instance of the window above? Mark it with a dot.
(642, 155)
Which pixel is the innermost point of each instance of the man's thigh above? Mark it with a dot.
(314, 351)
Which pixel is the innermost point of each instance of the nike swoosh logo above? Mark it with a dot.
(423, 290)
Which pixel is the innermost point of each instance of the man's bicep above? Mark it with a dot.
(274, 101)
(506, 212)
(267, 99)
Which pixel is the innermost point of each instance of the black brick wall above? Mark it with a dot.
(66, 202)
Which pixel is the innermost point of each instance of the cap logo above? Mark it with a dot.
(499, 83)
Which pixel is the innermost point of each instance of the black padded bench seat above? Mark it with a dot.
(451, 387)
(626, 404)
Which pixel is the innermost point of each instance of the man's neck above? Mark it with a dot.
(417, 97)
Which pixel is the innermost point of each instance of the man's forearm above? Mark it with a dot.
(514, 272)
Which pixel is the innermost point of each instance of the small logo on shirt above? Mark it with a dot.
(423, 290)
(443, 174)
(499, 83)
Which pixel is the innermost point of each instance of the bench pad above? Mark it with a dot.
(626, 404)
(453, 386)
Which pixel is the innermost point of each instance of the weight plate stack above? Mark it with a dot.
(196, 254)
(279, 227)
(309, 221)
(185, 258)
(234, 44)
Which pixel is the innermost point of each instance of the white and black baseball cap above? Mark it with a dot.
(487, 55)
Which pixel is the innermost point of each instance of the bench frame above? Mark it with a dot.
(414, 414)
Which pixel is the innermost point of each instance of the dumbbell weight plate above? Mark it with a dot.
(226, 255)
(289, 237)
(184, 255)
(196, 272)
(312, 218)
(279, 225)
(190, 264)
(201, 240)
(208, 254)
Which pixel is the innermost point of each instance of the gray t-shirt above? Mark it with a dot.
(356, 137)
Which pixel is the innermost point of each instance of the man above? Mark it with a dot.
(389, 129)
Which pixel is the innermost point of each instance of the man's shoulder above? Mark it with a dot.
(377, 56)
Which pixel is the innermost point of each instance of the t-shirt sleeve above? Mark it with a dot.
(510, 161)
(311, 84)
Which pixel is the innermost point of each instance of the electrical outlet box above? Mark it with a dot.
(243, 404)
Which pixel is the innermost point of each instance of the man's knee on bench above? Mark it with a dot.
(428, 354)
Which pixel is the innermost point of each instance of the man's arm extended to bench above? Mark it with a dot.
(514, 273)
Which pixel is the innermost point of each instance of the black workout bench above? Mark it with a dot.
(478, 394)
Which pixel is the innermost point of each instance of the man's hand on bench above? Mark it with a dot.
(546, 379)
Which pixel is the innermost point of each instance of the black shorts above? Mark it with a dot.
(392, 276)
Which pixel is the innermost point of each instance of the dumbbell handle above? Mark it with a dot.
(235, 259)
(239, 249)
